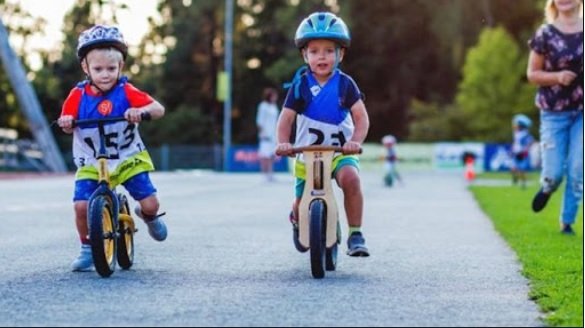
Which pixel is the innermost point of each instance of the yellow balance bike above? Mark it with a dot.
(111, 226)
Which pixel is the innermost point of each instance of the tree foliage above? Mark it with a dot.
(22, 26)
(407, 57)
(494, 87)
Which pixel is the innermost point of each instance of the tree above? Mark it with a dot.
(21, 26)
(193, 38)
(494, 86)
(401, 50)
(265, 54)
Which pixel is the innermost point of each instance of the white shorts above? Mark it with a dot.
(266, 149)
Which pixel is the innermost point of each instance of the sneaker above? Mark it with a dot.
(567, 229)
(156, 227)
(84, 262)
(295, 226)
(540, 200)
(356, 245)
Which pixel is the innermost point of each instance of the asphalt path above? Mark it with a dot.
(229, 260)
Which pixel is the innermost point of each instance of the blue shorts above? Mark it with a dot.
(139, 187)
(300, 183)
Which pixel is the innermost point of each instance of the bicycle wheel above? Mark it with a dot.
(331, 253)
(317, 228)
(125, 249)
(102, 235)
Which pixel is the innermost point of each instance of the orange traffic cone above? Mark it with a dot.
(469, 171)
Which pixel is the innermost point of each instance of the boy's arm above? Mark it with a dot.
(141, 102)
(283, 130)
(361, 122)
(155, 109)
(69, 111)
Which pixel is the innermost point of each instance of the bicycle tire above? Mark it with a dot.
(102, 235)
(125, 247)
(317, 237)
(331, 253)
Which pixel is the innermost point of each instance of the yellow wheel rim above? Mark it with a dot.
(108, 233)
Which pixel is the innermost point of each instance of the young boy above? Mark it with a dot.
(523, 140)
(101, 51)
(328, 108)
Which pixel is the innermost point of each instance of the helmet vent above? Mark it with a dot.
(332, 22)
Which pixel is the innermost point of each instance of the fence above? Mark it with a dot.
(243, 158)
(19, 154)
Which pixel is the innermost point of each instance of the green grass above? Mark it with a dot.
(553, 262)
(530, 176)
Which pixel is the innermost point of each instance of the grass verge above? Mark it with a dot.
(553, 262)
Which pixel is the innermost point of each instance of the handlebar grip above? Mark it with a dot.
(145, 116)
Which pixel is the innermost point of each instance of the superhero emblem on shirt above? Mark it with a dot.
(105, 107)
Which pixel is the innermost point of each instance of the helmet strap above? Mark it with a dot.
(337, 57)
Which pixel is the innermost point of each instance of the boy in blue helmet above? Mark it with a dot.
(101, 51)
(329, 110)
(523, 140)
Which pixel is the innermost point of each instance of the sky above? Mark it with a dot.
(133, 22)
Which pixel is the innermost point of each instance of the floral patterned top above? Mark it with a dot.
(561, 51)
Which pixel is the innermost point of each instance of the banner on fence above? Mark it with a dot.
(244, 158)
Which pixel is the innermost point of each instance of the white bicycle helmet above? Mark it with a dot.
(388, 140)
(101, 36)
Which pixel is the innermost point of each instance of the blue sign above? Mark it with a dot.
(244, 158)
(498, 157)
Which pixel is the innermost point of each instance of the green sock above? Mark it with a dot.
(353, 229)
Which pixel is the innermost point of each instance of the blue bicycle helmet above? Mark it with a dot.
(522, 120)
(322, 25)
(100, 36)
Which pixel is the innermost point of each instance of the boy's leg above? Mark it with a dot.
(348, 179)
(83, 190)
(142, 190)
(80, 208)
(294, 214)
(84, 261)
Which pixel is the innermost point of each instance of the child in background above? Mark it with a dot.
(523, 140)
(266, 117)
(390, 159)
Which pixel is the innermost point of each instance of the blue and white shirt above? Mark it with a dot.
(324, 116)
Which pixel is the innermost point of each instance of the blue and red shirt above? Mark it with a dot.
(127, 153)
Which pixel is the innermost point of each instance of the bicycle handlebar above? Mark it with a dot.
(297, 150)
(145, 117)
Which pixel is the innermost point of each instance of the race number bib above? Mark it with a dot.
(121, 140)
